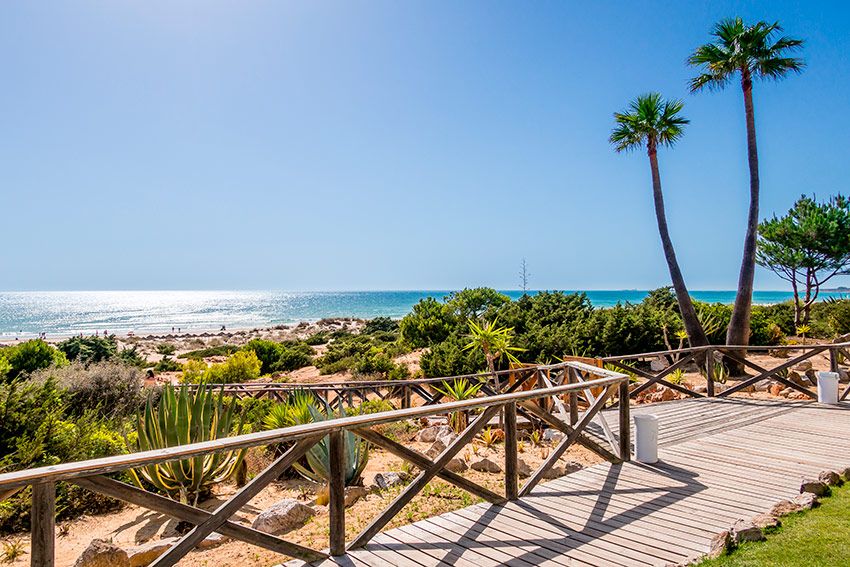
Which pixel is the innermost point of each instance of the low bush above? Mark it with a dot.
(30, 356)
(221, 350)
(167, 364)
(166, 348)
(112, 389)
(243, 366)
(280, 357)
(37, 429)
(88, 350)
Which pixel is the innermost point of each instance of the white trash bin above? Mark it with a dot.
(646, 438)
(828, 387)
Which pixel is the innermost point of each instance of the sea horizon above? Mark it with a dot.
(25, 314)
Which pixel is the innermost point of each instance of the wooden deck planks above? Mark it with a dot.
(721, 459)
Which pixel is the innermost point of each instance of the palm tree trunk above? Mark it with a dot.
(696, 334)
(739, 324)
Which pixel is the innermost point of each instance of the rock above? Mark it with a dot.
(486, 465)
(144, 554)
(843, 376)
(787, 392)
(430, 434)
(552, 435)
(845, 473)
(778, 353)
(523, 469)
(282, 517)
(783, 508)
(700, 389)
(764, 521)
(555, 472)
(667, 394)
(775, 389)
(213, 540)
(440, 444)
(796, 378)
(806, 501)
(720, 544)
(457, 465)
(803, 366)
(353, 494)
(102, 553)
(816, 487)
(386, 480)
(657, 364)
(745, 530)
(830, 478)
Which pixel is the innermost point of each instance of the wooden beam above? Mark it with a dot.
(585, 442)
(422, 462)
(511, 459)
(223, 513)
(423, 478)
(770, 373)
(43, 530)
(625, 423)
(122, 491)
(566, 442)
(336, 490)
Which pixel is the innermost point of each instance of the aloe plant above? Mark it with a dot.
(301, 408)
(183, 417)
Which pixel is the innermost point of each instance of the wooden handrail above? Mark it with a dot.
(117, 463)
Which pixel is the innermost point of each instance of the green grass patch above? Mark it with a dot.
(820, 536)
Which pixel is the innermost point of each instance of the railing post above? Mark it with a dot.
(709, 373)
(511, 478)
(571, 379)
(336, 492)
(833, 359)
(625, 423)
(43, 517)
(405, 396)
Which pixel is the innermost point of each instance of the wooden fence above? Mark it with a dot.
(565, 381)
(708, 358)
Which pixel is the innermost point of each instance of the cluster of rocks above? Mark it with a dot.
(753, 529)
(105, 553)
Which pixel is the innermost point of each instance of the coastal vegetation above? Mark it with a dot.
(807, 247)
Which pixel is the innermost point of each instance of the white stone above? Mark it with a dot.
(388, 479)
(102, 553)
(144, 554)
(430, 434)
(284, 516)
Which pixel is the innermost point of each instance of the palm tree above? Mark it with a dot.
(649, 122)
(493, 341)
(751, 51)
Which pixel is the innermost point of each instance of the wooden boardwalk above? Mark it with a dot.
(721, 460)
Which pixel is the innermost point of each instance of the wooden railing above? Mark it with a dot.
(566, 381)
(708, 357)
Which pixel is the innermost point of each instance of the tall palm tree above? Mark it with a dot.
(751, 51)
(651, 121)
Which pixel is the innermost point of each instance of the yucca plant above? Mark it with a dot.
(802, 331)
(458, 390)
(677, 376)
(183, 417)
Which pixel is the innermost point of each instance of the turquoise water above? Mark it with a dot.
(63, 313)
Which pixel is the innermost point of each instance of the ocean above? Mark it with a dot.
(60, 313)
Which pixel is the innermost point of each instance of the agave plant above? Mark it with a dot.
(459, 389)
(183, 417)
(301, 408)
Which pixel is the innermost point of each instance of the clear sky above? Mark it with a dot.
(389, 144)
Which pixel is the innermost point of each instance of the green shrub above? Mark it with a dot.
(31, 356)
(449, 358)
(166, 348)
(373, 362)
(268, 352)
(223, 350)
(382, 325)
(294, 357)
(430, 323)
(110, 388)
(316, 339)
(833, 315)
(243, 366)
(372, 406)
(89, 349)
(131, 357)
(37, 430)
(167, 364)
(194, 372)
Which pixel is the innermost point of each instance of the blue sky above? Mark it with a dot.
(389, 145)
